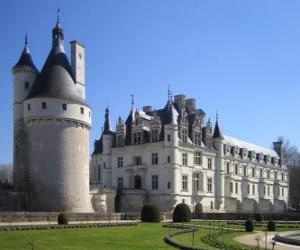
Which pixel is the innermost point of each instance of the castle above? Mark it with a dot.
(166, 156)
(171, 155)
(51, 129)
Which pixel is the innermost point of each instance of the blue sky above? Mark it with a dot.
(241, 58)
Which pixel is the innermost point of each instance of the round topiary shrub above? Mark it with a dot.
(271, 225)
(150, 213)
(182, 213)
(62, 219)
(249, 225)
(259, 217)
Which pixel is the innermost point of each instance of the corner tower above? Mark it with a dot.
(57, 120)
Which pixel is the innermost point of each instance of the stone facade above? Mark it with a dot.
(171, 155)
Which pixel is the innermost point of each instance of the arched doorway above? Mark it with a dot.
(198, 208)
(137, 182)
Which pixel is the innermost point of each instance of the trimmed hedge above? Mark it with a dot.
(249, 225)
(182, 213)
(150, 213)
(62, 219)
(271, 225)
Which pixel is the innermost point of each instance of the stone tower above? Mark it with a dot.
(56, 121)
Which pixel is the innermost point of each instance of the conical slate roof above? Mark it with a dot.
(217, 131)
(56, 79)
(25, 59)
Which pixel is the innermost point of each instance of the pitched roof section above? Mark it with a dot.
(25, 59)
(249, 146)
(56, 79)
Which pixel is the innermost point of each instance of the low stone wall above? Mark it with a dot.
(244, 216)
(52, 216)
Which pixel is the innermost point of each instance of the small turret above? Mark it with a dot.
(217, 131)
(107, 135)
(107, 127)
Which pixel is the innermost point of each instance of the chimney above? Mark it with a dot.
(277, 146)
(190, 105)
(180, 101)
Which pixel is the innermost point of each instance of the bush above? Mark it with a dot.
(259, 217)
(271, 225)
(182, 213)
(150, 213)
(62, 219)
(249, 225)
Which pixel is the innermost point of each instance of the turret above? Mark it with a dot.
(107, 135)
(277, 146)
(24, 75)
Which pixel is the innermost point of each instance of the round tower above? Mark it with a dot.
(24, 75)
(57, 121)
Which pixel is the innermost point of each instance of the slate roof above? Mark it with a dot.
(25, 59)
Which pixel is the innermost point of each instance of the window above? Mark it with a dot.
(253, 172)
(265, 190)
(120, 183)
(82, 110)
(99, 172)
(120, 141)
(253, 189)
(282, 191)
(197, 139)
(209, 163)
(154, 135)
(184, 183)
(28, 106)
(245, 170)
(137, 138)
(64, 106)
(248, 189)
(197, 158)
(169, 138)
(104, 165)
(236, 169)
(27, 84)
(169, 185)
(137, 160)
(236, 188)
(231, 187)
(44, 105)
(282, 177)
(261, 173)
(137, 182)
(184, 135)
(169, 159)
(184, 159)
(209, 185)
(196, 183)
(268, 174)
(120, 162)
(268, 190)
(211, 205)
(154, 158)
(275, 176)
(154, 181)
(228, 167)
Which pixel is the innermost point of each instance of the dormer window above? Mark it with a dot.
(137, 138)
(44, 105)
(154, 135)
(64, 106)
(120, 141)
(27, 85)
(197, 139)
(184, 135)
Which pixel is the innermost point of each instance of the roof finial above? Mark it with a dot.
(26, 39)
(132, 100)
(57, 16)
(169, 93)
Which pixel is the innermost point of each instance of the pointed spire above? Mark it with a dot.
(58, 17)
(217, 130)
(26, 40)
(132, 101)
(57, 33)
(107, 127)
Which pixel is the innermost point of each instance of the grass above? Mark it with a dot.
(143, 236)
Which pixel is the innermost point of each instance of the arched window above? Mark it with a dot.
(137, 182)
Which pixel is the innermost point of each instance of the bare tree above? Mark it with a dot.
(290, 153)
(6, 173)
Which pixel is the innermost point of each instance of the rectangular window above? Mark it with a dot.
(82, 110)
(184, 135)
(248, 189)
(268, 174)
(253, 189)
(211, 205)
(120, 183)
(236, 169)
(196, 181)
(197, 158)
(197, 139)
(169, 137)
(282, 177)
(26, 85)
(28, 106)
(275, 176)
(265, 190)
(184, 159)
(137, 138)
(261, 173)
(209, 163)
(138, 160)
(228, 167)
(236, 188)
(64, 106)
(209, 185)
(154, 158)
(253, 172)
(154, 135)
(245, 170)
(282, 191)
(120, 162)
(169, 185)
(154, 181)
(44, 105)
(169, 159)
(184, 183)
(231, 187)
(268, 190)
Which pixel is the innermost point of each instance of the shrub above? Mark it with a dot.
(182, 213)
(249, 225)
(150, 213)
(271, 225)
(62, 219)
(259, 217)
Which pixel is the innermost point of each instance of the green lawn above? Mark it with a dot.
(143, 236)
